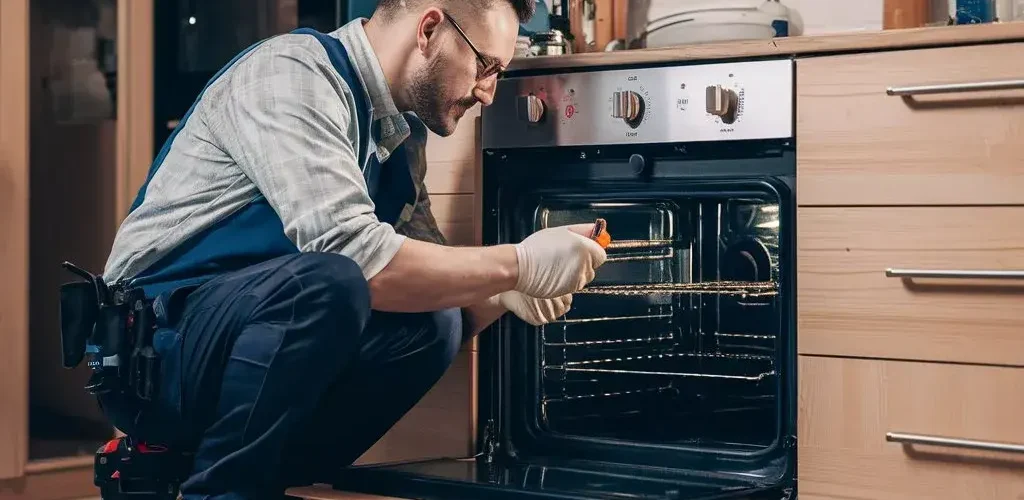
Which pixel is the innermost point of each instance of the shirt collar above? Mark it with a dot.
(389, 126)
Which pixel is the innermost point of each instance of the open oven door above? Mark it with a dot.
(474, 479)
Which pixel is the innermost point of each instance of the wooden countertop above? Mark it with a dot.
(787, 46)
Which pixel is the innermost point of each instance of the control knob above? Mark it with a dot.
(628, 106)
(530, 108)
(722, 102)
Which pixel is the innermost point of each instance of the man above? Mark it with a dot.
(266, 232)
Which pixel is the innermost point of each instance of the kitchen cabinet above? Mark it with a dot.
(857, 412)
(859, 145)
(67, 139)
(850, 306)
(911, 274)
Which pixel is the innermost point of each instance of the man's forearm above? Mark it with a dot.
(426, 277)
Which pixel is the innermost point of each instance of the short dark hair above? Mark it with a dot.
(524, 8)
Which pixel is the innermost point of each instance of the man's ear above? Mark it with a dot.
(427, 29)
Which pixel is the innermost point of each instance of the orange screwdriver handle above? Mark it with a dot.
(600, 234)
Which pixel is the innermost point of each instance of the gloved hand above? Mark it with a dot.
(558, 261)
(532, 310)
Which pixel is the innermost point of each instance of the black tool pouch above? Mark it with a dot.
(111, 327)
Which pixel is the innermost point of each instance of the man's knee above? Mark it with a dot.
(445, 330)
(333, 284)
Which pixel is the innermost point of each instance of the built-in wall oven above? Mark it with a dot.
(673, 375)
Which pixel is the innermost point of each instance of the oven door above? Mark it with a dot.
(673, 375)
(561, 479)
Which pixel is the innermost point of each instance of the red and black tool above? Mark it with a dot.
(125, 469)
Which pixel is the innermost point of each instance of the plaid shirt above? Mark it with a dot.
(280, 123)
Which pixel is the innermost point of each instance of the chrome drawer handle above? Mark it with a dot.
(970, 444)
(958, 274)
(956, 87)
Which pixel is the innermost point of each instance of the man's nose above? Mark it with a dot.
(484, 90)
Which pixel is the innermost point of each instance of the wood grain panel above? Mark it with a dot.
(14, 221)
(859, 146)
(456, 217)
(848, 307)
(446, 410)
(325, 492)
(848, 405)
(134, 100)
(66, 483)
(452, 177)
(461, 145)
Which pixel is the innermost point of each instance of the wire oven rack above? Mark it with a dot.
(741, 288)
(580, 363)
(665, 364)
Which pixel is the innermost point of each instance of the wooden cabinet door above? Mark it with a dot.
(14, 145)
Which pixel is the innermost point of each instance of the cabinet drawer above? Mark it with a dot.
(856, 145)
(848, 406)
(848, 306)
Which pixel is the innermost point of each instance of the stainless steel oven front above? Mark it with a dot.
(673, 374)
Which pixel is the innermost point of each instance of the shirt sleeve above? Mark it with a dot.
(285, 117)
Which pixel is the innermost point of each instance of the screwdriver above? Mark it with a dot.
(600, 234)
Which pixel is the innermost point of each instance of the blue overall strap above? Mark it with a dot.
(395, 187)
(390, 184)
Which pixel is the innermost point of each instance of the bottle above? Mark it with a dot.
(975, 11)
(780, 16)
(900, 14)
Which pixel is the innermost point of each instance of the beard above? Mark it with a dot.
(428, 91)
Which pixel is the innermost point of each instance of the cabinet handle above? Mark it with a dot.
(899, 437)
(956, 87)
(959, 274)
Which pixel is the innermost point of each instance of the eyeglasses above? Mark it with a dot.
(487, 65)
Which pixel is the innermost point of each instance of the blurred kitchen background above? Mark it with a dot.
(193, 38)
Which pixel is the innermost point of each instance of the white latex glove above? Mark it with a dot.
(558, 261)
(535, 311)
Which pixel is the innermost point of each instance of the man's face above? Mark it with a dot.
(454, 76)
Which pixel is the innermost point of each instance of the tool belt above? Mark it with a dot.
(111, 327)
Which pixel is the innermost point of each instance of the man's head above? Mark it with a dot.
(452, 52)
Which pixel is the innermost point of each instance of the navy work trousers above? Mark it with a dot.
(279, 373)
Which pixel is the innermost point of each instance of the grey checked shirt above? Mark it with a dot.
(281, 122)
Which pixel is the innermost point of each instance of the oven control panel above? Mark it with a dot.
(691, 103)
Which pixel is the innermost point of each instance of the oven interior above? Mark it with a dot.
(676, 342)
(672, 376)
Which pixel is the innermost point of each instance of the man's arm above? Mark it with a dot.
(284, 117)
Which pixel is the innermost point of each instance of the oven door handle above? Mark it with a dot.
(970, 444)
(956, 88)
(953, 274)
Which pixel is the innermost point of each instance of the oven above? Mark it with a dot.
(673, 375)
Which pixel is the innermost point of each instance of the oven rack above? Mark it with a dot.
(740, 288)
(650, 339)
(601, 319)
(639, 250)
(639, 244)
(607, 394)
(706, 365)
